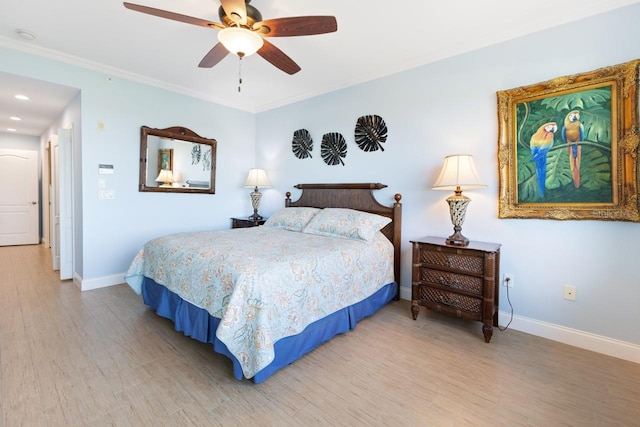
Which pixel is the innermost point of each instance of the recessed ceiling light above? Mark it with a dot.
(22, 97)
(11, 129)
(25, 34)
(16, 118)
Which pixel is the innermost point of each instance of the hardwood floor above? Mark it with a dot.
(101, 357)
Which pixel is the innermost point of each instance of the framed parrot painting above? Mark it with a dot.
(165, 159)
(568, 147)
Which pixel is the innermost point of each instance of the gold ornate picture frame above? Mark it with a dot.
(165, 159)
(568, 147)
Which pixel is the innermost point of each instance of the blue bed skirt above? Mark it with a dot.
(197, 323)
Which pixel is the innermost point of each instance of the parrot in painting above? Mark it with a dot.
(573, 131)
(540, 144)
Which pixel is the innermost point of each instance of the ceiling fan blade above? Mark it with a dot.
(172, 16)
(215, 55)
(235, 9)
(297, 26)
(278, 58)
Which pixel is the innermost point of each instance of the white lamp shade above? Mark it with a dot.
(458, 170)
(240, 41)
(257, 178)
(165, 176)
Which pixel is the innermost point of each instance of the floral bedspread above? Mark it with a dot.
(264, 283)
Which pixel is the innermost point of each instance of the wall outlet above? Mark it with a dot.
(508, 280)
(569, 292)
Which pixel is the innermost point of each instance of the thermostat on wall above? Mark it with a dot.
(105, 169)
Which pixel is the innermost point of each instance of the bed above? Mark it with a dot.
(265, 296)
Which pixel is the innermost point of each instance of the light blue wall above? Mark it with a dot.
(111, 231)
(450, 107)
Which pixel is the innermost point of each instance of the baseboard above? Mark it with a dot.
(405, 293)
(588, 341)
(98, 282)
(585, 340)
(77, 280)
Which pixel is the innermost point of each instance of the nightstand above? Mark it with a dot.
(246, 222)
(458, 280)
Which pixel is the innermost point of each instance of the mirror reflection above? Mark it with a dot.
(176, 160)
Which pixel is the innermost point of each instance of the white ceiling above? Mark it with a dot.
(46, 102)
(375, 38)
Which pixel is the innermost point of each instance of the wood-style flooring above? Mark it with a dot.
(101, 358)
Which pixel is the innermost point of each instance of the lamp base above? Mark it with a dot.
(457, 209)
(457, 239)
(255, 204)
(255, 217)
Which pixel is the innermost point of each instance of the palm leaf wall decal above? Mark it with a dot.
(370, 133)
(196, 154)
(333, 148)
(206, 159)
(302, 144)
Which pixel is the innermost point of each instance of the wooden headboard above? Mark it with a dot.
(355, 196)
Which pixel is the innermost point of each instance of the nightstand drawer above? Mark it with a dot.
(452, 280)
(463, 263)
(450, 300)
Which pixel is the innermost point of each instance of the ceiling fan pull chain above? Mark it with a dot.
(239, 73)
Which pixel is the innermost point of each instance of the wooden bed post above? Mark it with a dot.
(397, 240)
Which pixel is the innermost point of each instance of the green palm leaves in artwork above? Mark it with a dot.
(594, 106)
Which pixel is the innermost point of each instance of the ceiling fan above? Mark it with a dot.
(242, 31)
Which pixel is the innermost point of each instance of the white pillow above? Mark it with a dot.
(346, 224)
(293, 219)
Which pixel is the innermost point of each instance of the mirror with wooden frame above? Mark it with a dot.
(176, 160)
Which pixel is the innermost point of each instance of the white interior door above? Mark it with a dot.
(62, 204)
(54, 200)
(19, 213)
(65, 205)
(45, 201)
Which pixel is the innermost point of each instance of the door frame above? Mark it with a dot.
(62, 228)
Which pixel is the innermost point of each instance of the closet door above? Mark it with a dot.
(19, 210)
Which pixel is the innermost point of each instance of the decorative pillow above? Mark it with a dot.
(293, 219)
(346, 223)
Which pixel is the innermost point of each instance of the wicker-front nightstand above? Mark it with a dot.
(246, 222)
(459, 280)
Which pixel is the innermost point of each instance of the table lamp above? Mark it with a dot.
(458, 173)
(165, 177)
(257, 179)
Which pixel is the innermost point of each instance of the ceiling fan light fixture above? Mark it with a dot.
(240, 41)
